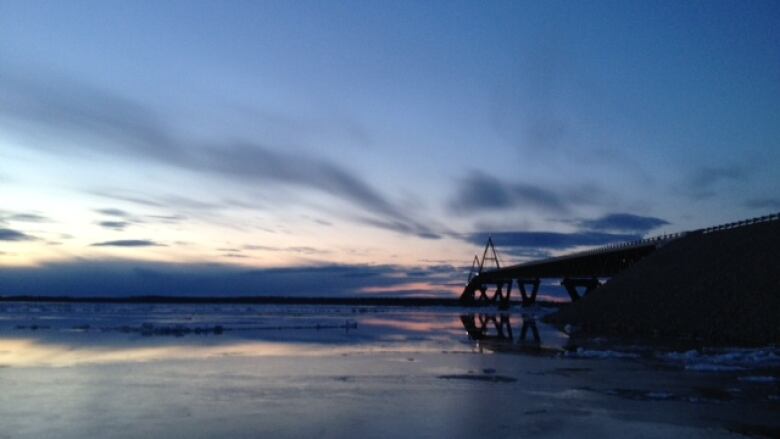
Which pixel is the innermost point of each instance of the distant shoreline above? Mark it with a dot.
(254, 300)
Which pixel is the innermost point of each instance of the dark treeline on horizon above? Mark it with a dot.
(253, 300)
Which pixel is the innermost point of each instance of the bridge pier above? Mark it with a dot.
(499, 295)
(503, 302)
(482, 293)
(501, 298)
(501, 325)
(528, 300)
(571, 284)
(478, 294)
(530, 324)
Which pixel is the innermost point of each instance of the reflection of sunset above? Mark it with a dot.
(26, 352)
(549, 298)
(416, 326)
(33, 353)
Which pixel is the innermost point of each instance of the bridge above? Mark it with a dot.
(580, 272)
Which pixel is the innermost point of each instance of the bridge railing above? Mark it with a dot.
(738, 224)
(672, 236)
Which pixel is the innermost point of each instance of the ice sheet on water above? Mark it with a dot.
(660, 395)
(724, 360)
(758, 379)
(707, 367)
(89, 323)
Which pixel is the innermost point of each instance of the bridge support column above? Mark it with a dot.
(502, 324)
(528, 300)
(529, 323)
(571, 284)
(482, 293)
(504, 303)
(499, 296)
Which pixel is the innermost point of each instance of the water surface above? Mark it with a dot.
(109, 370)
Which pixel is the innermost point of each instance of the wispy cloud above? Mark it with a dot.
(114, 212)
(405, 227)
(763, 203)
(167, 219)
(526, 253)
(121, 219)
(14, 235)
(22, 217)
(114, 225)
(128, 243)
(705, 181)
(622, 222)
(550, 240)
(111, 125)
(179, 206)
(292, 249)
(28, 218)
(480, 191)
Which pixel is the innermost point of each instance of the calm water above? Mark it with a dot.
(75, 370)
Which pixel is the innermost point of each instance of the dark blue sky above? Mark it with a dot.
(257, 135)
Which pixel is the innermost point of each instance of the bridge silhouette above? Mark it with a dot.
(580, 272)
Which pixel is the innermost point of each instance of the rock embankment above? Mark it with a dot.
(718, 288)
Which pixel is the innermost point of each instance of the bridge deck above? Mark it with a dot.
(575, 265)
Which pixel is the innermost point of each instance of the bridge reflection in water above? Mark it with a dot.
(494, 332)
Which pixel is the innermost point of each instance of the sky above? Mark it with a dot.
(368, 147)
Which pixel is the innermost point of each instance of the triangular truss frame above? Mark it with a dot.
(489, 254)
